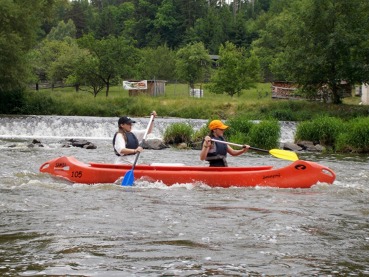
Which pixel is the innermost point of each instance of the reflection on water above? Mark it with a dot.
(50, 227)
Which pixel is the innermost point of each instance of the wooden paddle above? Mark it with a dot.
(129, 176)
(278, 153)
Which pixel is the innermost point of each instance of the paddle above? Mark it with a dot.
(278, 153)
(129, 178)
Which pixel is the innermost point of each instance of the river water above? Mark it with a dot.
(50, 227)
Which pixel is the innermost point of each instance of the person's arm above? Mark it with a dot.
(152, 122)
(234, 152)
(205, 148)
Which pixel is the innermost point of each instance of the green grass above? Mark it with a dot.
(253, 104)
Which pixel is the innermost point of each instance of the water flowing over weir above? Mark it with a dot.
(96, 127)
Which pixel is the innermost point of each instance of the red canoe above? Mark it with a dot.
(299, 174)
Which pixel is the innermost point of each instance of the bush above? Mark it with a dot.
(178, 133)
(199, 135)
(357, 135)
(342, 143)
(239, 124)
(239, 138)
(265, 134)
(322, 129)
(306, 131)
(40, 103)
(239, 128)
(12, 102)
(242, 131)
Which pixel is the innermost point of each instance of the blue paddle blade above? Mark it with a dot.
(128, 179)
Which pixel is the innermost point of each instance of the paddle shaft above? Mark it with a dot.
(239, 145)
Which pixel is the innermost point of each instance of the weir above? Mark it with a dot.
(84, 127)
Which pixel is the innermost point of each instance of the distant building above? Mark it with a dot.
(289, 90)
(284, 90)
(154, 88)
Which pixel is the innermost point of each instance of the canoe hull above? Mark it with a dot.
(299, 174)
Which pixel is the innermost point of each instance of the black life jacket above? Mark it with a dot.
(218, 157)
(131, 142)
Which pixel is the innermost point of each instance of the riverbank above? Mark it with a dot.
(254, 104)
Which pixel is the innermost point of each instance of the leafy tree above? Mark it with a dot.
(86, 72)
(125, 20)
(166, 23)
(63, 30)
(115, 57)
(63, 66)
(269, 44)
(157, 63)
(54, 60)
(210, 29)
(81, 13)
(238, 33)
(56, 13)
(192, 63)
(237, 70)
(114, 20)
(324, 43)
(144, 31)
(107, 23)
(20, 22)
(254, 8)
(37, 67)
(65, 61)
(101, 4)
(190, 11)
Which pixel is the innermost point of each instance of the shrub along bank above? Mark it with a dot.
(335, 134)
(261, 135)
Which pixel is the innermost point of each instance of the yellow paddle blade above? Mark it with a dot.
(284, 154)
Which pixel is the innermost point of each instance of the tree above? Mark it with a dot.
(65, 63)
(324, 43)
(115, 57)
(86, 73)
(238, 70)
(54, 60)
(192, 63)
(111, 20)
(166, 23)
(20, 22)
(268, 44)
(143, 26)
(107, 22)
(62, 30)
(80, 12)
(190, 11)
(211, 29)
(157, 63)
